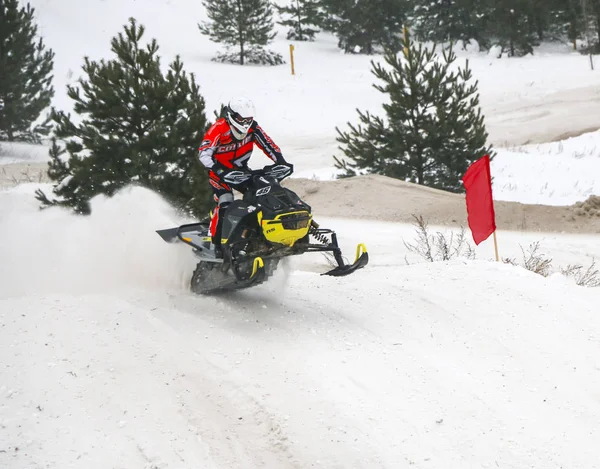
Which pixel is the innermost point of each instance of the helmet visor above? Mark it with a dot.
(243, 122)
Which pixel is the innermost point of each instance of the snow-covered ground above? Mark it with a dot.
(458, 364)
(549, 174)
(107, 360)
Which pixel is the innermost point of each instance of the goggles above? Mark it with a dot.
(242, 121)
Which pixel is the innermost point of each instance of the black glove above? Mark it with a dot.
(285, 163)
(219, 169)
(280, 170)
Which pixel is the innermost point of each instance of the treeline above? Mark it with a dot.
(516, 26)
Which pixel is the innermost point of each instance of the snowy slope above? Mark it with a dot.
(446, 365)
(557, 173)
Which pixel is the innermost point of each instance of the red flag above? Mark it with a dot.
(480, 205)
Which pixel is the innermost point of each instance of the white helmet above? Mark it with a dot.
(240, 116)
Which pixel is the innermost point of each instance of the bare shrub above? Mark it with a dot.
(439, 247)
(535, 261)
(28, 176)
(589, 277)
(510, 260)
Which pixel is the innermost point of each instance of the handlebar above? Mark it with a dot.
(277, 171)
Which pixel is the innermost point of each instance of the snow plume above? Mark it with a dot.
(54, 250)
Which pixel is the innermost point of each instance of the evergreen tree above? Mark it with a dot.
(365, 26)
(562, 20)
(25, 74)
(516, 25)
(58, 167)
(555, 19)
(136, 126)
(450, 20)
(512, 26)
(302, 14)
(433, 127)
(245, 27)
(592, 13)
(570, 21)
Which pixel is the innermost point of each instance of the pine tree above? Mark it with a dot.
(513, 27)
(450, 20)
(570, 18)
(559, 20)
(136, 126)
(540, 17)
(25, 74)
(365, 26)
(592, 12)
(245, 27)
(433, 127)
(302, 14)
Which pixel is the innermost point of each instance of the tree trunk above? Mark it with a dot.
(420, 175)
(240, 34)
(420, 165)
(300, 36)
(9, 118)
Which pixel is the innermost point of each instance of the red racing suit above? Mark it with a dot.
(218, 147)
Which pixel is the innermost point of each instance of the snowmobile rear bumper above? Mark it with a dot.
(195, 235)
(178, 233)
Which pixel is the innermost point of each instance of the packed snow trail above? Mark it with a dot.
(108, 361)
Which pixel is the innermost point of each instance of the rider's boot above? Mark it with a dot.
(216, 225)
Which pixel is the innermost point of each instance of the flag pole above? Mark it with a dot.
(496, 247)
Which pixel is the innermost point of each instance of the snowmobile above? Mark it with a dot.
(269, 222)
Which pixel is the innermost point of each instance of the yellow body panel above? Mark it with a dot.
(275, 231)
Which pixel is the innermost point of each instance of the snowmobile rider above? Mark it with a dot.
(228, 145)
